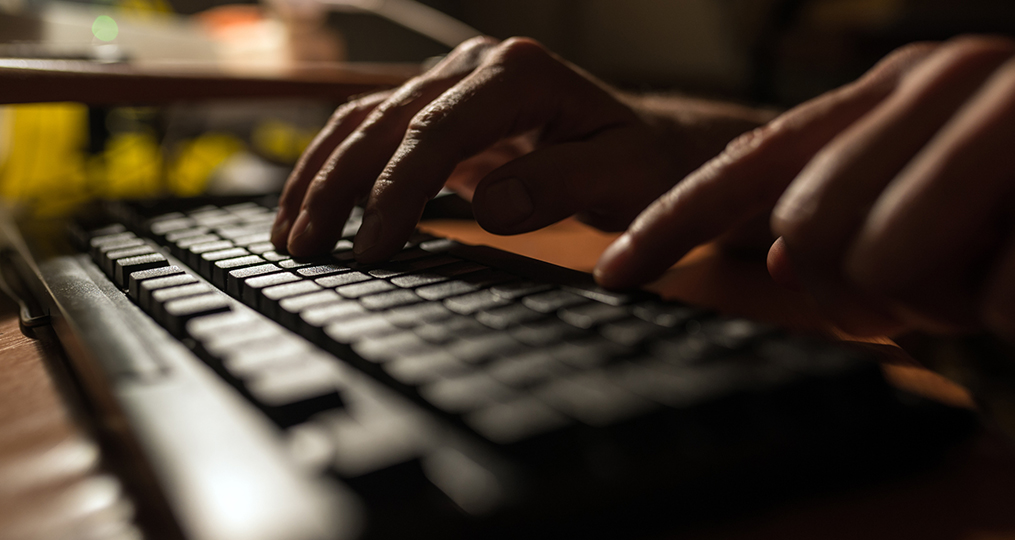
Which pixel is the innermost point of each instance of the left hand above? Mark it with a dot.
(893, 196)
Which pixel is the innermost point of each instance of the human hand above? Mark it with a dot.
(533, 137)
(892, 196)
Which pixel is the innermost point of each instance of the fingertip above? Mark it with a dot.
(305, 237)
(280, 230)
(614, 268)
(367, 237)
(781, 268)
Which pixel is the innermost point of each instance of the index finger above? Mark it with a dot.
(745, 180)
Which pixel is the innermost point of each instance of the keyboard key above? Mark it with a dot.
(357, 290)
(470, 303)
(125, 241)
(128, 265)
(321, 270)
(192, 255)
(351, 330)
(270, 296)
(551, 301)
(253, 356)
(322, 315)
(187, 241)
(666, 314)
(236, 279)
(446, 289)
(292, 264)
(589, 352)
(415, 369)
(734, 333)
(166, 226)
(604, 296)
(526, 369)
(221, 268)
(109, 258)
(202, 328)
(99, 240)
(391, 346)
(465, 393)
(412, 281)
(208, 260)
(331, 282)
(145, 289)
(290, 308)
(388, 300)
(228, 340)
(420, 260)
(593, 398)
(161, 296)
(260, 247)
(678, 388)
(176, 236)
(293, 394)
(417, 314)
(518, 289)
(630, 332)
(507, 316)
(251, 239)
(476, 349)
(545, 332)
(309, 446)
(272, 255)
(444, 330)
(593, 314)
(515, 420)
(687, 349)
(137, 277)
(178, 312)
(252, 286)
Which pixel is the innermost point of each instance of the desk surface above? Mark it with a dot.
(50, 482)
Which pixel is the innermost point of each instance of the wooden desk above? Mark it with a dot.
(50, 483)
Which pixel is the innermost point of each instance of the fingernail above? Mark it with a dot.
(610, 269)
(368, 234)
(509, 202)
(300, 234)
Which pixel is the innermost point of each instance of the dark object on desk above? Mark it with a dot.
(457, 390)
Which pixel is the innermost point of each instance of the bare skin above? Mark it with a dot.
(889, 196)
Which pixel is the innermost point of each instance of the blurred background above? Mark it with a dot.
(763, 52)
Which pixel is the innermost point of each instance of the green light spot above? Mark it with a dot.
(105, 28)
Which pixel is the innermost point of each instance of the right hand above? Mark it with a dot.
(533, 138)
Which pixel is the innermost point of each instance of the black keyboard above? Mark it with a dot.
(536, 401)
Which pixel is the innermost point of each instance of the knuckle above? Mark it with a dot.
(477, 44)
(437, 117)
(522, 50)
(906, 53)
